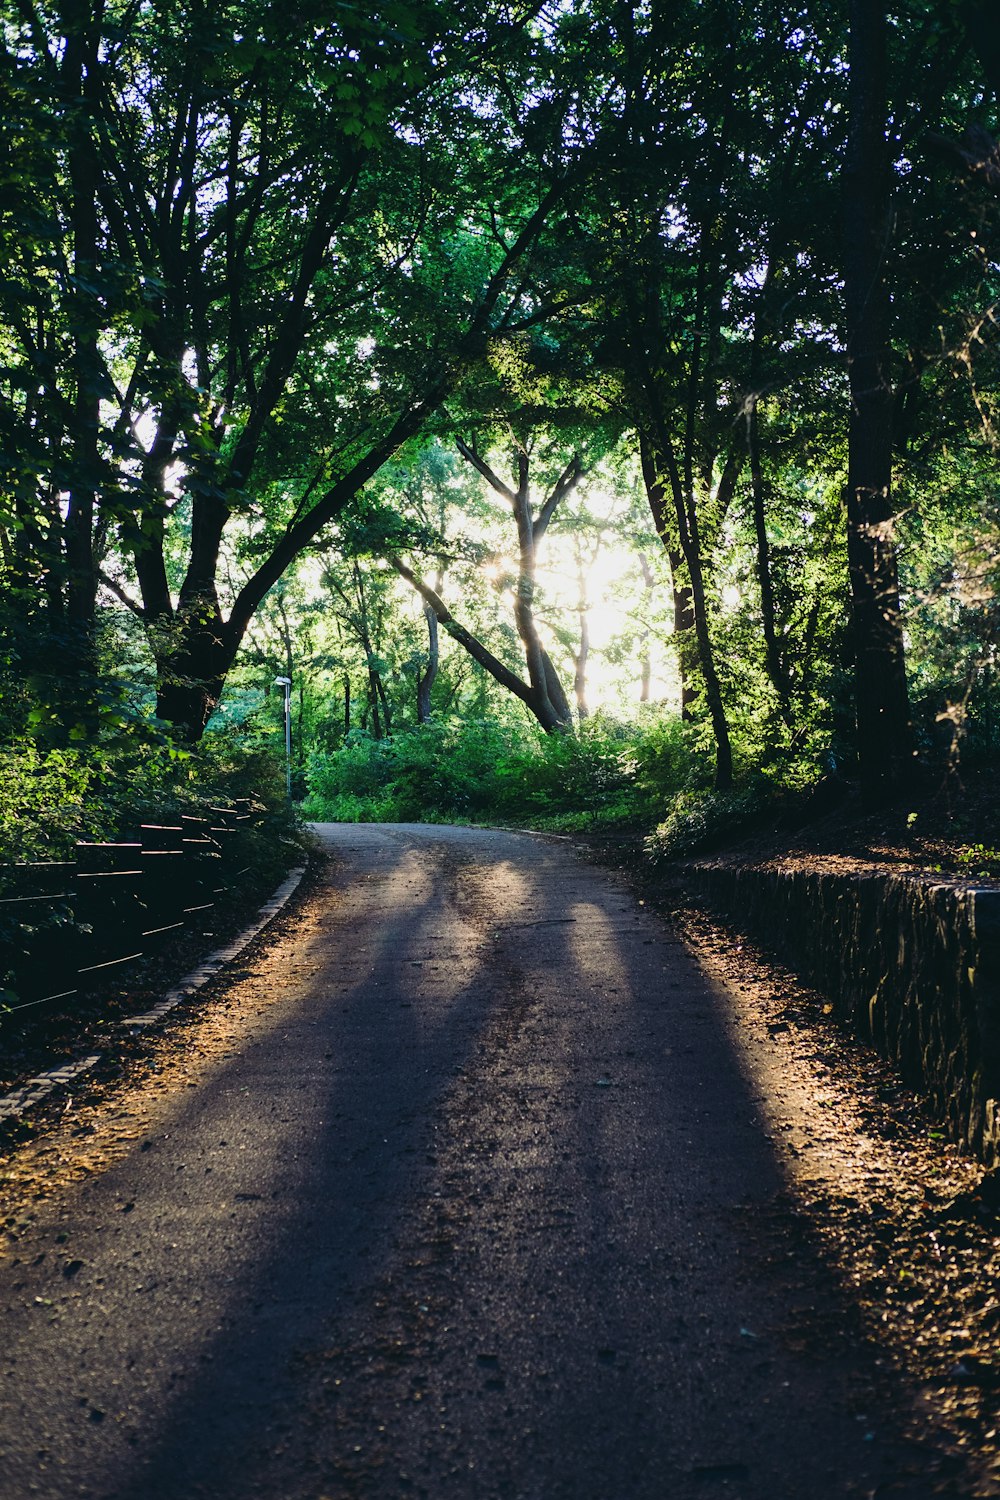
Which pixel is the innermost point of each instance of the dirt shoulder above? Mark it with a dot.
(951, 826)
(912, 1225)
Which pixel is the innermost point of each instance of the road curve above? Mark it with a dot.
(476, 1203)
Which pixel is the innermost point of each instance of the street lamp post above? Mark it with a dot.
(286, 683)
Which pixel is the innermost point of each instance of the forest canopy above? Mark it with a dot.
(584, 405)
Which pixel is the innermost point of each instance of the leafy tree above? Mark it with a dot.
(273, 230)
(695, 234)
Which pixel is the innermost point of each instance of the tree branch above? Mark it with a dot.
(120, 594)
(474, 647)
(492, 479)
(568, 481)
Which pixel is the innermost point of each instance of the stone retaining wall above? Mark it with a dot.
(912, 966)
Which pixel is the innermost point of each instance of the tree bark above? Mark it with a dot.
(82, 86)
(646, 666)
(379, 695)
(191, 668)
(581, 656)
(426, 678)
(659, 465)
(885, 751)
(686, 614)
(556, 693)
(580, 667)
(683, 612)
(772, 647)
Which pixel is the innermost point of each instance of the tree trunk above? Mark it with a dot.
(384, 700)
(692, 603)
(539, 668)
(713, 688)
(884, 737)
(373, 705)
(772, 648)
(556, 693)
(582, 655)
(191, 670)
(646, 661)
(580, 667)
(685, 645)
(655, 465)
(683, 611)
(82, 85)
(426, 678)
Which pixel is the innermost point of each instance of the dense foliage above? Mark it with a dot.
(463, 770)
(54, 797)
(592, 409)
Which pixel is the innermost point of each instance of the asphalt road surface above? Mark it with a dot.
(474, 1200)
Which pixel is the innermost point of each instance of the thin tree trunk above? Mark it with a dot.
(373, 704)
(683, 619)
(426, 678)
(713, 687)
(83, 22)
(524, 594)
(384, 700)
(582, 654)
(656, 464)
(884, 734)
(772, 648)
(683, 612)
(580, 667)
(690, 609)
(646, 660)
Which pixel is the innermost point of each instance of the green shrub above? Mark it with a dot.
(698, 819)
(670, 756)
(47, 803)
(609, 774)
(54, 798)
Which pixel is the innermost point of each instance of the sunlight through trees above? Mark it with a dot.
(619, 373)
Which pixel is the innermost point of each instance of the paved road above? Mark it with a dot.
(476, 1204)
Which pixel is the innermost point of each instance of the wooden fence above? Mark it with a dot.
(67, 924)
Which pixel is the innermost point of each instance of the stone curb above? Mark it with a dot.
(20, 1100)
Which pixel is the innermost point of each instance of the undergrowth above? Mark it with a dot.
(649, 777)
(54, 798)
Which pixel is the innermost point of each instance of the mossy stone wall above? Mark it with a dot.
(913, 966)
